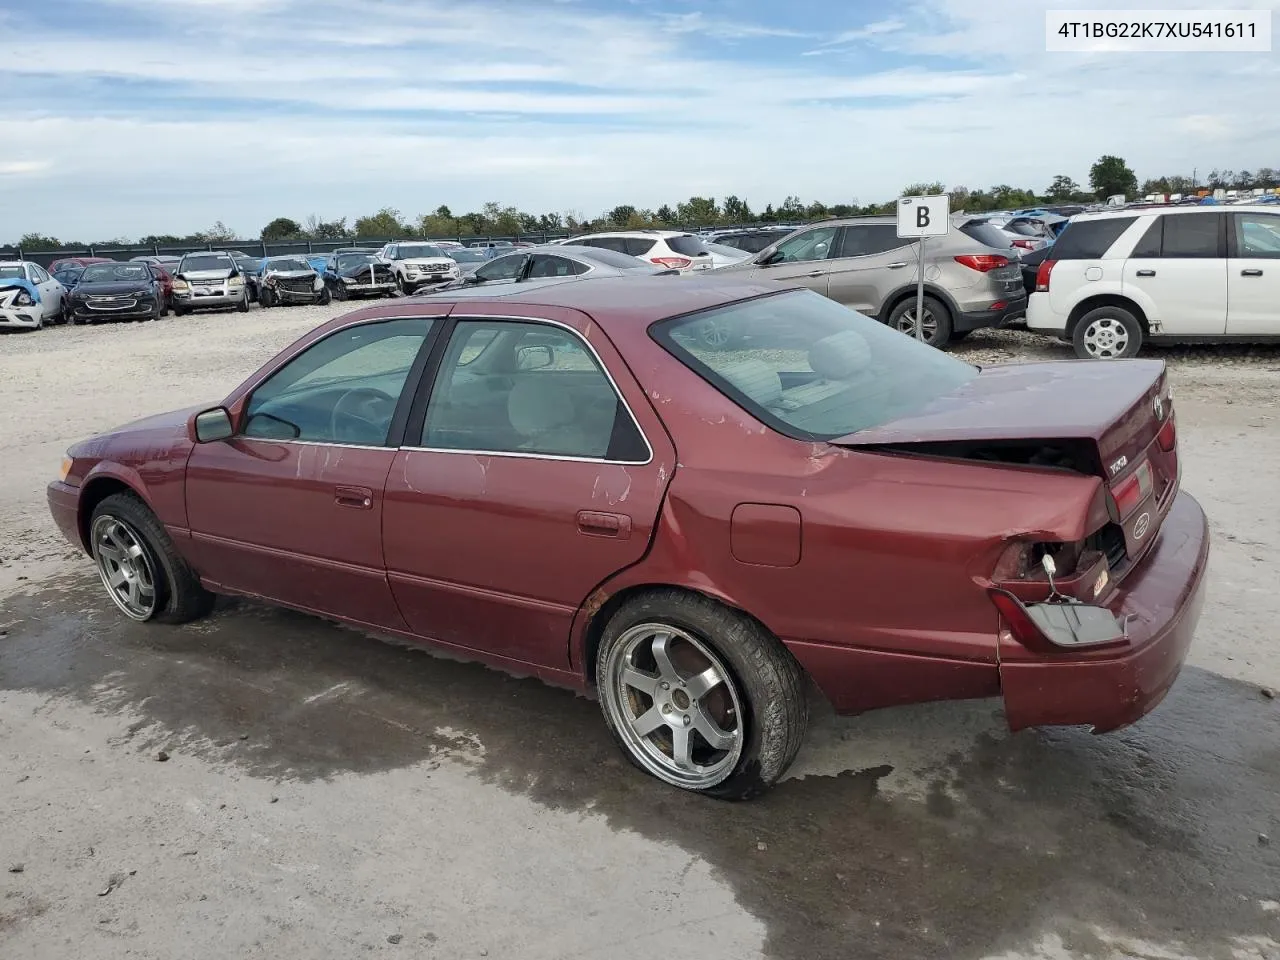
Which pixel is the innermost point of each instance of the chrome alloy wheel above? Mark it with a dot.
(675, 705)
(125, 567)
(907, 323)
(1105, 338)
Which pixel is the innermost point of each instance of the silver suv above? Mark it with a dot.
(211, 278)
(862, 264)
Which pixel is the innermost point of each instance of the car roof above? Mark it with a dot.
(649, 233)
(616, 303)
(1173, 209)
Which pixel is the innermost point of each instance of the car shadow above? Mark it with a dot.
(914, 832)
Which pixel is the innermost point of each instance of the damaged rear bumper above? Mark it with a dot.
(1161, 599)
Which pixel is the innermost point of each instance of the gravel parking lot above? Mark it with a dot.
(327, 795)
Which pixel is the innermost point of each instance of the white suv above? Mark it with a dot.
(416, 264)
(671, 249)
(1202, 273)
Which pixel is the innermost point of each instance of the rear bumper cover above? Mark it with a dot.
(1014, 308)
(1162, 598)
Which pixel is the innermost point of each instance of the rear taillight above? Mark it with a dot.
(1042, 275)
(672, 263)
(1024, 244)
(1021, 627)
(1168, 435)
(982, 262)
(1132, 490)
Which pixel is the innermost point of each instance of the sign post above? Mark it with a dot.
(918, 219)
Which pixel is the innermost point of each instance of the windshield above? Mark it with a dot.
(115, 272)
(289, 265)
(348, 260)
(206, 262)
(418, 251)
(810, 368)
(12, 273)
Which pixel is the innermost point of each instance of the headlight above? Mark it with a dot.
(348, 279)
(318, 285)
(66, 468)
(235, 282)
(180, 286)
(23, 299)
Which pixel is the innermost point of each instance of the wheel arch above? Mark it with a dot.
(601, 606)
(908, 291)
(96, 488)
(1106, 300)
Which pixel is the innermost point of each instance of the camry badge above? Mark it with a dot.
(1157, 407)
(1119, 465)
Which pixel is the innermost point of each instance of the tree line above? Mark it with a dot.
(1108, 176)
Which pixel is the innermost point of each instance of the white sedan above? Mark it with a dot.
(29, 297)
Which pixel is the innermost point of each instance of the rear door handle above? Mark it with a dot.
(1250, 273)
(896, 266)
(359, 498)
(596, 524)
(1146, 273)
(816, 273)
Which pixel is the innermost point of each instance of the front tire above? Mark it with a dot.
(699, 695)
(266, 299)
(1107, 333)
(325, 298)
(243, 305)
(340, 292)
(937, 320)
(141, 570)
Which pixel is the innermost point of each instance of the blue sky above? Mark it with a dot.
(129, 117)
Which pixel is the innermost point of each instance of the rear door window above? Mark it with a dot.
(1192, 235)
(1090, 239)
(1257, 236)
(636, 246)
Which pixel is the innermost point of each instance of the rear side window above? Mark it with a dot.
(1192, 235)
(686, 246)
(867, 239)
(1090, 239)
(622, 261)
(618, 244)
(636, 246)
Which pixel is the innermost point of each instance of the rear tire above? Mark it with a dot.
(181, 311)
(139, 566)
(1107, 333)
(937, 320)
(723, 674)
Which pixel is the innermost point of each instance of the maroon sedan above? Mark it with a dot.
(566, 481)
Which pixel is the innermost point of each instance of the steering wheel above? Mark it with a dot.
(361, 415)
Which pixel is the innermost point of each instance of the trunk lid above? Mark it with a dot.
(1111, 419)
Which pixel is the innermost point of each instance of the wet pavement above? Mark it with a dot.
(919, 832)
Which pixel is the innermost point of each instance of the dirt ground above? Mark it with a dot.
(327, 795)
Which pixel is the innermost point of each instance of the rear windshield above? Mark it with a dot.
(212, 262)
(621, 261)
(810, 368)
(1090, 239)
(986, 233)
(686, 246)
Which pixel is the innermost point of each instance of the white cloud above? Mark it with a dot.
(583, 110)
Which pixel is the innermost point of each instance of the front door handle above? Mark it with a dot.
(816, 273)
(1250, 273)
(594, 524)
(1146, 273)
(896, 266)
(360, 498)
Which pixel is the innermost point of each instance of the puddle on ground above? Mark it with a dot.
(942, 835)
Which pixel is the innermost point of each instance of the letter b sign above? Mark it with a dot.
(924, 216)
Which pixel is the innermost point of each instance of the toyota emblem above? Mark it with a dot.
(1157, 407)
(1140, 526)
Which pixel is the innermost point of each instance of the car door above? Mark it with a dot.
(1180, 268)
(51, 290)
(869, 261)
(290, 508)
(802, 259)
(1253, 275)
(535, 472)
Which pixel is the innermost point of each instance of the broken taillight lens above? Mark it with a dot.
(1019, 623)
(1133, 489)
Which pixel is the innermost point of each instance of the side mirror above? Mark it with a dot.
(213, 425)
(769, 259)
(471, 279)
(534, 358)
